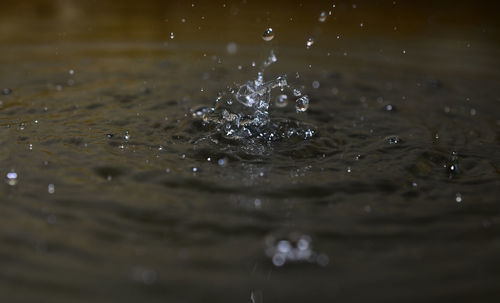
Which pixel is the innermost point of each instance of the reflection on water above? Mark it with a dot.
(121, 183)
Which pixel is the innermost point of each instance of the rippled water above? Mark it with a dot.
(114, 191)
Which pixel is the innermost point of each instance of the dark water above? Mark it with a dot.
(122, 196)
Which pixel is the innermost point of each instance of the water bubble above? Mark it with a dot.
(6, 91)
(71, 72)
(302, 103)
(284, 246)
(126, 136)
(268, 34)
(309, 42)
(315, 84)
(281, 100)
(172, 36)
(303, 244)
(11, 178)
(279, 260)
(297, 93)
(458, 198)
(222, 161)
(322, 17)
(51, 188)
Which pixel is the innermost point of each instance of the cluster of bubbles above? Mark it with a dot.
(294, 248)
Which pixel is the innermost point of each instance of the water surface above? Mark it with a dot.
(113, 192)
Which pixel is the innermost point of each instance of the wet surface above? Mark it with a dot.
(114, 192)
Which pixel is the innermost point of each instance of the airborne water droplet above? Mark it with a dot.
(322, 17)
(302, 104)
(172, 35)
(309, 43)
(268, 34)
(11, 178)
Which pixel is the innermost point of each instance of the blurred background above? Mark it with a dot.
(240, 21)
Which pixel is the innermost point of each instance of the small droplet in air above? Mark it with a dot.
(268, 34)
(322, 17)
(127, 136)
(297, 93)
(232, 48)
(51, 188)
(71, 72)
(281, 100)
(309, 42)
(6, 91)
(458, 198)
(11, 178)
(302, 104)
(172, 35)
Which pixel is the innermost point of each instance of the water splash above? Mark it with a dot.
(243, 112)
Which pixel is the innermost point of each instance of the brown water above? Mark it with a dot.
(113, 192)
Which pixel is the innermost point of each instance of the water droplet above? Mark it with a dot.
(281, 100)
(297, 93)
(6, 91)
(458, 198)
(279, 260)
(268, 34)
(315, 84)
(393, 139)
(222, 161)
(51, 189)
(271, 59)
(172, 36)
(302, 103)
(284, 246)
(232, 48)
(389, 108)
(71, 72)
(11, 178)
(322, 17)
(126, 136)
(309, 42)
